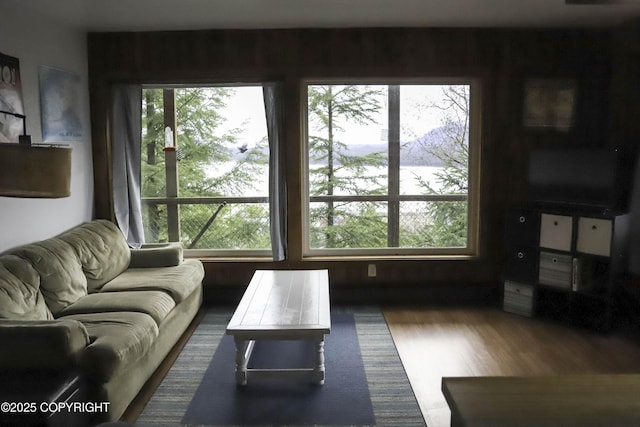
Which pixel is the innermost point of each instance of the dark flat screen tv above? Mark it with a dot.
(589, 177)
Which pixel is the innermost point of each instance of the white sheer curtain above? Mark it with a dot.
(274, 108)
(126, 156)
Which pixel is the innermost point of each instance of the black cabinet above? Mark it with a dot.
(564, 264)
(521, 266)
(521, 227)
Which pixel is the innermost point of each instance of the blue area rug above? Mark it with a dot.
(344, 399)
(388, 386)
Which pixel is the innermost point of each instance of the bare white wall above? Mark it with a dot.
(36, 40)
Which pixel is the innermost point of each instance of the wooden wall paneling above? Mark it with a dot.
(294, 167)
(103, 202)
(624, 126)
(308, 51)
(501, 57)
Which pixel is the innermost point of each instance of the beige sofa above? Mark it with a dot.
(85, 301)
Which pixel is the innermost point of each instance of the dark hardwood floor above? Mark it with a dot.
(444, 341)
(437, 342)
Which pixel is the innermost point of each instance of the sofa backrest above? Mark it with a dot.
(20, 296)
(62, 281)
(101, 249)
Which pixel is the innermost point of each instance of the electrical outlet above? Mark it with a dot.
(371, 270)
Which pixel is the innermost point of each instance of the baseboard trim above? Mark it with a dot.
(473, 295)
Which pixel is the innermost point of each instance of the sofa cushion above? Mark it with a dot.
(179, 281)
(102, 250)
(157, 255)
(20, 296)
(156, 304)
(118, 339)
(62, 281)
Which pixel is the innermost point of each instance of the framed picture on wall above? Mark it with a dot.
(10, 99)
(60, 105)
(549, 104)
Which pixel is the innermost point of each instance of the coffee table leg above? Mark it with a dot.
(319, 369)
(241, 362)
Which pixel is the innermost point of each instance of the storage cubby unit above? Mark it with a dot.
(564, 264)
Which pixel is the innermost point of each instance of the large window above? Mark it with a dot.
(392, 169)
(211, 192)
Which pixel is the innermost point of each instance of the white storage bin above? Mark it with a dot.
(594, 236)
(555, 270)
(518, 298)
(555, 232)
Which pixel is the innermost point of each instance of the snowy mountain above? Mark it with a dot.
(418, 152)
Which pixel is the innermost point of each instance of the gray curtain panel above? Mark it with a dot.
(274, 108)
(126, 152)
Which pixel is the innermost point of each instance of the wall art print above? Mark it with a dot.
(550, 104)
(10, 98)
(60, 105)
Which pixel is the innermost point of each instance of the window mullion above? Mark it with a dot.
(393, 221)
(171, 165)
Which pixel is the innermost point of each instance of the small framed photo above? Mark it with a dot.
(60, 105)
(549, 104)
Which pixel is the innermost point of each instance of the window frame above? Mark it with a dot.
(472, 249)
(173, 202)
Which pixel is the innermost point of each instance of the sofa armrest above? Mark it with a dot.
(157, 255)
(41, 344)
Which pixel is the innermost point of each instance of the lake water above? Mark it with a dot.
(409, 183)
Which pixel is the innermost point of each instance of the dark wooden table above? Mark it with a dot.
(40, 390)
(566, 400)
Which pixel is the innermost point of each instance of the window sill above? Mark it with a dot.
(430, 257)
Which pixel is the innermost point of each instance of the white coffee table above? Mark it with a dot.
(282, 305)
